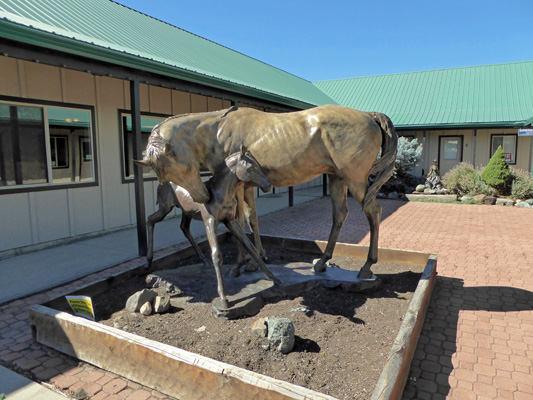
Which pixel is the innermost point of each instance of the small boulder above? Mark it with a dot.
(523, 204)
(489, 200)
(146, 308)
(420, 188)
(259, 327)
(504, 202)
(281, 334)
(136, 301)
(161, 304)
(530, 202)
(467, 198)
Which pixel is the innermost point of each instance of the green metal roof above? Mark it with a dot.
(495, 95)
(107, 31)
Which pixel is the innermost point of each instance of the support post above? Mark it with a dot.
(291, 196)
(140, 211)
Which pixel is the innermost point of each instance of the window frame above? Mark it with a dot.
(66, 139)
(40, 187)
(491, 152)
(122, 137)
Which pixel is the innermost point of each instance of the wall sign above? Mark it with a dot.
(525, 132)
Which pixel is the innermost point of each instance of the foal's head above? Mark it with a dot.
(247, 169)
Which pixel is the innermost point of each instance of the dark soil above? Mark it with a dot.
(342, 339)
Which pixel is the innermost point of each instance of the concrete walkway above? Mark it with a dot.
(476, 342)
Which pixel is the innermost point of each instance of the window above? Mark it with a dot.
(508, 143)
(39, 145)
(451, 147)
(147, 124)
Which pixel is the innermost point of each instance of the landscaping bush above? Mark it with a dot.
(496, 174)
(408, 156)
(522, 186)
(464, 179)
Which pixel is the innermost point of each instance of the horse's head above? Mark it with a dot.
(175, 164)
(247, 169)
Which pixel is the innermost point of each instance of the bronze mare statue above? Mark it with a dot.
(239, 168)
(292, 148)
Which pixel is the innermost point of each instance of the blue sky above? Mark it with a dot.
(321, 40)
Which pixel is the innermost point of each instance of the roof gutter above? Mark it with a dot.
(30, 35)
(465, 125)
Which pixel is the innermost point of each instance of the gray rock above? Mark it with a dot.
(259, 327)
(530, 202)
(420, 188)
(489, 200)
(136, 300)
(504, 202)
(161, 304)
(393, 196)
(523, 204)
(280, 334)
(155, 281)
(467, 198)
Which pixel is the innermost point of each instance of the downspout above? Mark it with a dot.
(474, 148)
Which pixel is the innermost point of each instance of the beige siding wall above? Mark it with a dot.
(62, 213)
(476, 149)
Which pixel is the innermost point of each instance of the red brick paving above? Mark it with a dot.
(477, 339)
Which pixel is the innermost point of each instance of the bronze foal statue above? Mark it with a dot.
(241, 167)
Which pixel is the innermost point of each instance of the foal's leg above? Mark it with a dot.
(211, 230)
(372, 210)
(185, 228)
(237, 231)
(153, 219)
(340, 212)
(249, 199)
(241, 256)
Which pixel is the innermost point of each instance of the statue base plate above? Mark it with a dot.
(247, 293)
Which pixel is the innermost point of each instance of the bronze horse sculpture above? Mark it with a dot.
(292, 149)
(240, 168)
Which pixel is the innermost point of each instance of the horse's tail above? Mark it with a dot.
(383, 166)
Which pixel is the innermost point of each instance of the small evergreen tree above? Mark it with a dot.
(496, 174)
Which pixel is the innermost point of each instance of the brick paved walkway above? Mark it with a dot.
(476, 342)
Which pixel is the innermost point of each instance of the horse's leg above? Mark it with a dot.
(372, 210)
(238, 232)
(185, 228)
(153, 219)
(340, 212)
(211, 230)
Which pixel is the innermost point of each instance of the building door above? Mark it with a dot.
(450, 152)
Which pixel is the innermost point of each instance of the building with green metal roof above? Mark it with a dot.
(459, 114)
(76, 74)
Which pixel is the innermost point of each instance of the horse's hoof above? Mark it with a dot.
(319, 265)
(277, 282)
(251, 267)
(224, 304)
(365, 274)
(235, 273)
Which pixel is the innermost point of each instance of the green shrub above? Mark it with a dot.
(496, 174)
(464, 179)
(522, 186)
